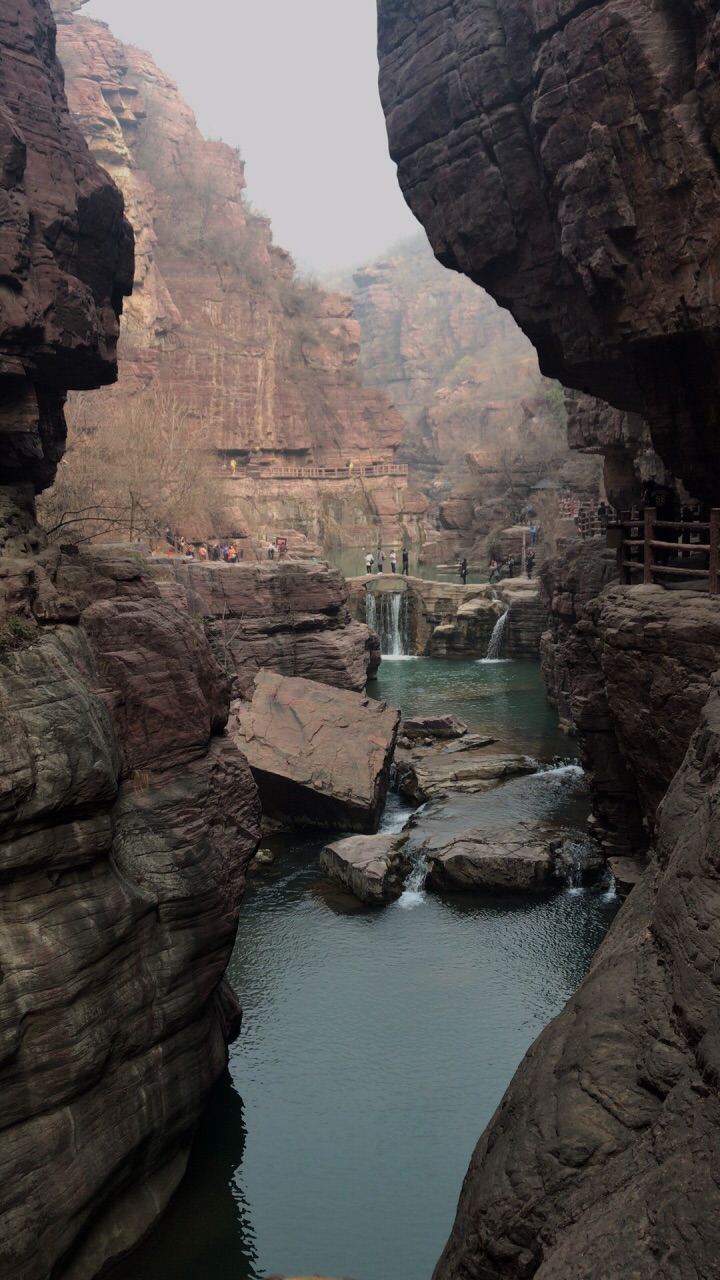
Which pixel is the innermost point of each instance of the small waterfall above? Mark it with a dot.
(497, 638)
(414, 891)
(371, 610)
(387, 613)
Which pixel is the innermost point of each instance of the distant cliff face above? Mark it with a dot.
(218, 315)
(454, 363)
(565, 156)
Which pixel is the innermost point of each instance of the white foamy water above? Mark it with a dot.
(414, 894)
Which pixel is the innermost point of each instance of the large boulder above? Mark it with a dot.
(518, 859)
(373, 868)
(320, 756)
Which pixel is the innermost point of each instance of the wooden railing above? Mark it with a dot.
(641, 550)
(318, 473)
(590, 524)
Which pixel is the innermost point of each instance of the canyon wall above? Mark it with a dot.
(126, 822)
(220, 319)
(565, 157)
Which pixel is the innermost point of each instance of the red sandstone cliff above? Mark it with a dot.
(219, 316)
(124, 829)
(565, 156)
(454, 363)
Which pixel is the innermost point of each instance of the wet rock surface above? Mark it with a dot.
(373, 868)
(421, 774)
(320, 756)
(448, 726)
(518, 859)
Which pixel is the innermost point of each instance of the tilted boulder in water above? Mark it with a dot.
(320, 756)
(373, 868)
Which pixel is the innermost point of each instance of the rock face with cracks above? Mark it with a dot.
(602, 1157)
(320, 756)
(66, 256)
(566, 156)
(373, 868)
(125, 821)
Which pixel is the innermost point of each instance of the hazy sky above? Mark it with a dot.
(293, 83)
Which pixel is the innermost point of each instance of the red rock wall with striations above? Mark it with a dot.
(218, 314)
(65, 252)
(566, 157)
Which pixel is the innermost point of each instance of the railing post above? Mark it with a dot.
(649, 552)
(713, 561)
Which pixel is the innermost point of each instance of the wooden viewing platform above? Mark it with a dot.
(637, 543)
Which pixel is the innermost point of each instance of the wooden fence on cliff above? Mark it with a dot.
(646, 545)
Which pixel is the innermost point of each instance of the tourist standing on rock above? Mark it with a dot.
(271, 551)
(393, 561)
(494, 571)
(381, 559)
(203, 552)
(533, 534)
(233, 465)
(405, 562)
(464, 570)
(511, 566)
(530, 563)
(369, 562)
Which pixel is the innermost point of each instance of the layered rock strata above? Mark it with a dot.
(290, 618)
(220, 320)
(321, 756)
(629, 670)
(125, 825)
(566, 158)
(125, 828)
(66, 256)
(602, 1157)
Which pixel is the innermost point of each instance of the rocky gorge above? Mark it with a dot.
(565, 158)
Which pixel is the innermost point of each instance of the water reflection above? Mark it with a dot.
(206, 1233)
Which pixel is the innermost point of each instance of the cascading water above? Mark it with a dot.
(497, 638)
(414, 889)
(387, 613)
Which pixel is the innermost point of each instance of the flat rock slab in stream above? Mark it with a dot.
(320, 756)
(440, 771)
(373, 868)
(516, 859)
(433, 727)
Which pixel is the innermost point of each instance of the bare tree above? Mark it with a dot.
(135, 466)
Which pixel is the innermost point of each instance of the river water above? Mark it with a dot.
(378, 1043)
